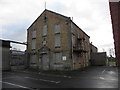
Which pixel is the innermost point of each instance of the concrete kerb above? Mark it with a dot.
(66, 74)
(44, 73)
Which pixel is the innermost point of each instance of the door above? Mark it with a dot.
(45, 62)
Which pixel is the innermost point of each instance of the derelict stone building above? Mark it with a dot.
(55, 42)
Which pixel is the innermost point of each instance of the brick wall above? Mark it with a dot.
(115, 16)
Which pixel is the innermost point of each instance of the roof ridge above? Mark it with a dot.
(56, 13)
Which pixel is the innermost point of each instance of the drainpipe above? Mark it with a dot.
(71, 44)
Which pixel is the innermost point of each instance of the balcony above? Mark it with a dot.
(80, 38)
(79, 50)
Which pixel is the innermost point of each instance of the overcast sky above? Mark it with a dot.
(92, 16)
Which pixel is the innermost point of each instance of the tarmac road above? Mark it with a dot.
(92, 77)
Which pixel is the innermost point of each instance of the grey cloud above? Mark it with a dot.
(16, 31)
(90, 15)
(106, 45)
(57, 6)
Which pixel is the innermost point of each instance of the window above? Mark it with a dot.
(72, 29)
(73, 40)
(57, 28)
(58, 57)
(45, 30)
(33, 43)
(34, 34)
(57, 40)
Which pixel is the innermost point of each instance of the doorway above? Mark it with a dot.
(45, 62)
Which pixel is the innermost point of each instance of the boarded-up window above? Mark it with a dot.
(73, 40)
(34, 34)
(58, 57)
(33, 43)
(33, 59)
(45, 30)
(72, 29)
(57, 28)
(57, 40)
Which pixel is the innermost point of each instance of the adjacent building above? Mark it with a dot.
(5, 59)
(115, 16)
(18, 60)
(12, 59)
(55, 42)
(97, 58)
(93, 48)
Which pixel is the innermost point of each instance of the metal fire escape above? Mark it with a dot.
(80, 45)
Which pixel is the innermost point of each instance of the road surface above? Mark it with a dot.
(92, 77)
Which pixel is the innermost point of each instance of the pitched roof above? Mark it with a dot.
(79, 28)
(48, 11)
(59, 15)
